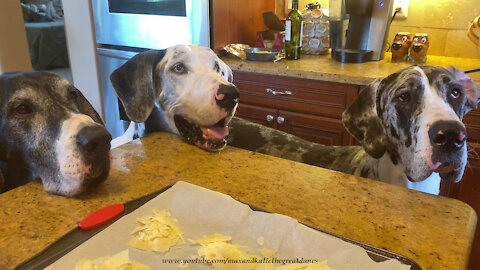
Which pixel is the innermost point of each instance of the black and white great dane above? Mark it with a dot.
(409, 123)
(50, 132)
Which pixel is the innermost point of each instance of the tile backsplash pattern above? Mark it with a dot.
(445, 21)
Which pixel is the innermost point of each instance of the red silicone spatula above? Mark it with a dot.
(101, 216)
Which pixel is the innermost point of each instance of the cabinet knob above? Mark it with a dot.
(280, 120)
(270, 118)
(278, 93)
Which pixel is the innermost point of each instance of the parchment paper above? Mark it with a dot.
(202, 212)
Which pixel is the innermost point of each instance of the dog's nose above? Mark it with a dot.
(94, 140)
(447, 135)
(227, 96)
(396, 46)
(417, 48)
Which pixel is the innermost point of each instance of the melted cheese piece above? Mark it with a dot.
(267, 253)
(119, 261)
(261, 240)
(212, 239)
(216, 247)
(157, 232)
(226, 251)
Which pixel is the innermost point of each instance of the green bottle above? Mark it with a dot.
(293, 32)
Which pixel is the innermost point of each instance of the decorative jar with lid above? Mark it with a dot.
(315, 39)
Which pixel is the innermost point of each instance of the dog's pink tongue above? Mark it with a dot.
(215, 133)
(444, 168)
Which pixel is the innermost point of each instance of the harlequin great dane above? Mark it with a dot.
(49, 131)
(409, 123)
(409, 126)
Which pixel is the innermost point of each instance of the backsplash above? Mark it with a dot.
(445, 21)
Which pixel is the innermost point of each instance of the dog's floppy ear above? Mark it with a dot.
(471, 89)
(84, 106)
(136, 85)
(362, 121)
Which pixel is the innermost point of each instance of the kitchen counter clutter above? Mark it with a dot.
(434, 231)
(324, 68)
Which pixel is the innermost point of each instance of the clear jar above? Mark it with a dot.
(315, 39)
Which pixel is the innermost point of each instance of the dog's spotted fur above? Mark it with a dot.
(394, 134)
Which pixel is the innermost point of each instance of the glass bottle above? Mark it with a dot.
(293, 32)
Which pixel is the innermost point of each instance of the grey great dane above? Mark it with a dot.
(409, 123)
(50, 132)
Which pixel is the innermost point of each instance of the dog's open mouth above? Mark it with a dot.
(448, 171)
(211, 138)
(218, 131)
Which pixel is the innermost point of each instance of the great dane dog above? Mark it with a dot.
(409, 123)
(185, 90)
(409, 126)
(50, 132)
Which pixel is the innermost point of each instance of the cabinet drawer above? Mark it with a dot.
(323, 130)
(306, 96)
(259, 115)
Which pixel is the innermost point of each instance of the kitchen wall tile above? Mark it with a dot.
(458, 45)
(450, 14)
(415, 14)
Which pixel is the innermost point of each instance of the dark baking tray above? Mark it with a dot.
(77, 236)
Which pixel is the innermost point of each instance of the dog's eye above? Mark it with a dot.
(455, 93)
(404, 38)
(404, 97)
(22, 109)
(424, 39)
(179, 68)
(415, 39)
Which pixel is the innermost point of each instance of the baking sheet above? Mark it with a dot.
(203, 212)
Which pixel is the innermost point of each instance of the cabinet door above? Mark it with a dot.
(324, 130)
(236, 21)
(468, 191)
(261, 115)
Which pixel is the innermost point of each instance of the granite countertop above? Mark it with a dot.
(435, 231)
(324, 68)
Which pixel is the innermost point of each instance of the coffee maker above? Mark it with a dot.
(359, 29)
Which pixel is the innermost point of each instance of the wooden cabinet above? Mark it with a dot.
(306, 108)
(236, 21)
(257, 114)
(468, 190)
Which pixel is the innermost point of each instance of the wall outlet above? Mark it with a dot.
(403, 5)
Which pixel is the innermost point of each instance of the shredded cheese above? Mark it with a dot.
(158, 232)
